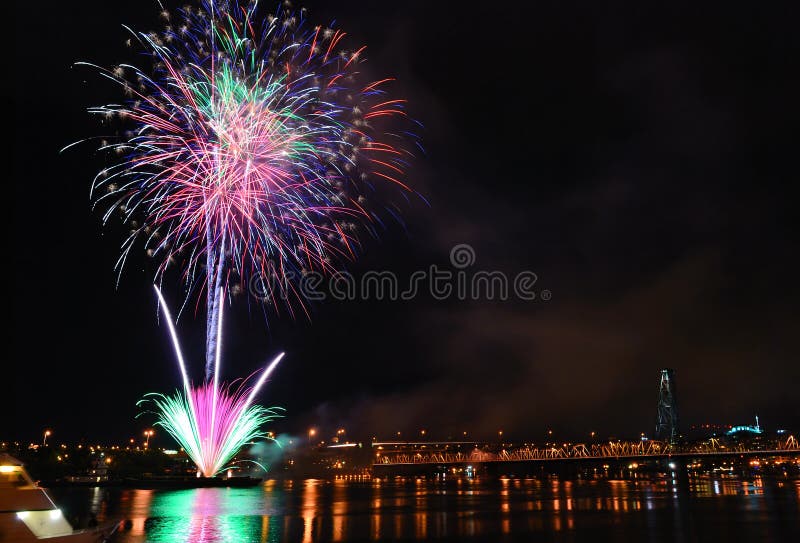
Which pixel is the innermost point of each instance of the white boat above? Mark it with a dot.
(28, 514)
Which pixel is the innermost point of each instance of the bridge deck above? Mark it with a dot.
(607, 451)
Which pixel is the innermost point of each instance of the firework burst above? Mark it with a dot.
(253, 147)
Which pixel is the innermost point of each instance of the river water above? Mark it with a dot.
(704, 508)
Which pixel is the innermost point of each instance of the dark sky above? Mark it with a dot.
(641, 161)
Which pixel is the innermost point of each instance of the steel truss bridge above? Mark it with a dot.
(427, 453)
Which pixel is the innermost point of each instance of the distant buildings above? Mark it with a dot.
(746, 429)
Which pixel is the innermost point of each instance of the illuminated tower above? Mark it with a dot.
(667, 421)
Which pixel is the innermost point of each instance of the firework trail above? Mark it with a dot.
(254, 148)
(211, 422)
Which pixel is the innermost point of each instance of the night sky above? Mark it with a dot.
(639, 160)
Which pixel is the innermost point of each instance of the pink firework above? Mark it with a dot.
(254, 148)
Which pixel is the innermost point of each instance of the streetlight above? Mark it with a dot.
(500, 435)
(311, 433)
(422, 433)
(46, 434)
(147, 435)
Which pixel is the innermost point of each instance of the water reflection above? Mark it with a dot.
(509, 509)
(140, 509)
(339, 510)
(309, 508)
(375, 518)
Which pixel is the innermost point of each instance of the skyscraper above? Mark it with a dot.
(667, 419)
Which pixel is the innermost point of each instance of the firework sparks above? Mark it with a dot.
(254, 148)
(213, 421)
(211, 446)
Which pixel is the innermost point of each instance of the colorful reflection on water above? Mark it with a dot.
(701, 508)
